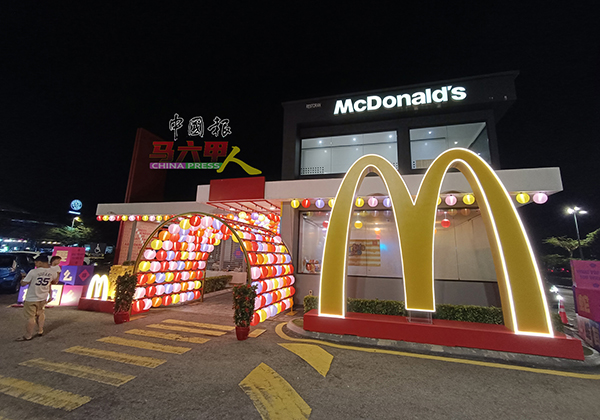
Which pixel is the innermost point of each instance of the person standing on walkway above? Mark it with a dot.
(40, 281)
(55, 267)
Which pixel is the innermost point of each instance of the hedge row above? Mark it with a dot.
(465, 313)
(213, 284)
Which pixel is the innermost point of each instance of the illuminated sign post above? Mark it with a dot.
(521, 289)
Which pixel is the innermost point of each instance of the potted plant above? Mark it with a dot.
(125, 289)
(243, 306)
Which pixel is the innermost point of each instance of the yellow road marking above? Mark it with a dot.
(41, 394)
(273, 396)
(200, 324)
(81, 371)
(168, 336)
(186, 329)
(280, 333)
(315, 356)
(149, 362)
(256, 332)
(145, 345)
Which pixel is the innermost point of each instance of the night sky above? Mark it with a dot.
(77, 82)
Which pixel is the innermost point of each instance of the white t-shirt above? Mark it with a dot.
(56, 269)
(40, 281)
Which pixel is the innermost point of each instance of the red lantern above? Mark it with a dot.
(264, 272)
(138, 306)
(161, 255)
(99, 218)
(306, 203)
(142, 279)
(150, 291)
(175, 237)
(195, 220)
(177, 276)
(199, 274)
(167, 300)
(255, 319)
(445, 223)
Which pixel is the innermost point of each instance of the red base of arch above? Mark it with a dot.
(445, 333)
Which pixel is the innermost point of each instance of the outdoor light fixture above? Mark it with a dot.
(575, 211)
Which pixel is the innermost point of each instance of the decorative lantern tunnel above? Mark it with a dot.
(172, 263)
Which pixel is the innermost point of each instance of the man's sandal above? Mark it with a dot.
(23, 338)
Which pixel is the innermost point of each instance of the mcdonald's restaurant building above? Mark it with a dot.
(409, 126)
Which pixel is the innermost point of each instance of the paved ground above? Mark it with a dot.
(269, 375)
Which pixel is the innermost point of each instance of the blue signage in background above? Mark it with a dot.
(76, 205)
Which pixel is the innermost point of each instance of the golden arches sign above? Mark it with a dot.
(521, 289)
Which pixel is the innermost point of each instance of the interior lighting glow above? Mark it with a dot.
(358, 224)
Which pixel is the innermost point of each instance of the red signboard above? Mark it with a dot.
(237, 189)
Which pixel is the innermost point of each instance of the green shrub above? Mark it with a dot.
(381, 307)
(213, 284)
(310, 302)
(465, 313)
(469, 313)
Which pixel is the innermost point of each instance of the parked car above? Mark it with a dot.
(14, 266)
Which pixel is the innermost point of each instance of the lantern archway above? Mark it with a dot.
(172, 263)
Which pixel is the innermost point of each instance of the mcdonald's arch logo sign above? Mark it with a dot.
(98, 288)
(522, 295)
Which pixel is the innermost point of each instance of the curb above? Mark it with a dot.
(590, 361)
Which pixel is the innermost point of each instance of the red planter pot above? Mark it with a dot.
(121, 317)
(242, 332)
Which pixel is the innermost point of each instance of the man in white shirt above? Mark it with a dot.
(39, 280)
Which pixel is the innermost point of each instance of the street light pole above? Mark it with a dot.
(574, 211)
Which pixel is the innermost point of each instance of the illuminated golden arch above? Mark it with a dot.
(521, 289)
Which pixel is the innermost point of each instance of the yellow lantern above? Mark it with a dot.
(295, 203)
(360, 202)
(522, 198)
(233, 237)
(105, 218)
(145, 217)
(439, 201)
(331, 202)
(156, 244)
(242, 215)
(358, 224)
(184, 224)
(469, 199)
(144, 266)
(217, 242)
(124, 218)
(159, 218)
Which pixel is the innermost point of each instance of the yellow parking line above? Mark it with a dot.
(313, 355)
(280, 333)
(168, 336)
(186, 329)
(256, 332)
(200, 324)
(273, 396)
(41, 394)
(146, 345)
(81, 371)
(149, 362)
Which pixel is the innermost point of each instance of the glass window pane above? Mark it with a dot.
(335, 154)
(428, 143)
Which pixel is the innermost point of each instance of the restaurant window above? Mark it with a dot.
(335, 155)
(373, 249)
(428, 143)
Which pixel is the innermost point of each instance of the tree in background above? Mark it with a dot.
(570, 245)
(68, 235)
